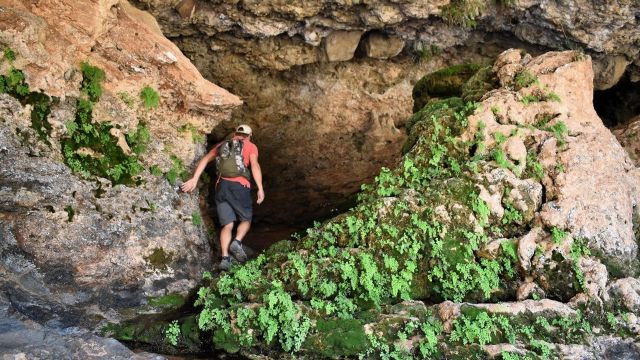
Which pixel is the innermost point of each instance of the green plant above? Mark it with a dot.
(9, 55)
(431, 329)
(14, 84)
(150, 98)
(551, 96)
(155, 170)
(172, 332)
(558, 235)
(525, 79)
(501, 159)
(139, 139)
(127, 99)
(534, 167)
(177, 171)
(528, 99)
(90, 149)
(426, 52)
(560, 132)
(511, 215)
(479, 328)
(282, 318)
(92, 78)
(70, 213)
(579, 248)
(196, 136)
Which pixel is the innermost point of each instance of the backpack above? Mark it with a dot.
(230, 162)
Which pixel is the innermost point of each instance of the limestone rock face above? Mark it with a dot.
(629, 137)
(340, 45)
(280, 51)
(82, 252)
(590, 182)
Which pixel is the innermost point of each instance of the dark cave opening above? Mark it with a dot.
(619, 104)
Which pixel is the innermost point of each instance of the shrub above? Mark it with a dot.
(92, 78)
(150, 98)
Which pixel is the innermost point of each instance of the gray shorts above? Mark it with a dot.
(233, 202)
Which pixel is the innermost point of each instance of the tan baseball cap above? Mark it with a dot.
(244, 129)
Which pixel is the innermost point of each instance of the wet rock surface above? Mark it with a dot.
(22, 338)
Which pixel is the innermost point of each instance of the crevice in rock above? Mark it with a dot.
(619, 104)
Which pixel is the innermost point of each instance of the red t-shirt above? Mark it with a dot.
(248, 148)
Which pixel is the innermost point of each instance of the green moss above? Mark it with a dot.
(159, 259)
(462, 12)
(190, 331)
(196, 219)
(121, 332)
(616, 267)
(337, 338)
(445, 108)
(483, 81)
(171, 301)
(443, 83)
(227, 341)
(155, 170)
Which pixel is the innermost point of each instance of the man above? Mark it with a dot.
(233, 189)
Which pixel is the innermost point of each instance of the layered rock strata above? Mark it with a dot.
(322, 70)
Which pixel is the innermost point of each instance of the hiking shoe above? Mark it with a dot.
(225, 264)
(237, 251)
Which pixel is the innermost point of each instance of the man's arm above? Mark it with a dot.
(257, 176)
(191, 184)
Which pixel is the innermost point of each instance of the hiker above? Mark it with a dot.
(233, 158)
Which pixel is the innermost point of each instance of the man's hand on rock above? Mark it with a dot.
(189, 185)
(260, 196)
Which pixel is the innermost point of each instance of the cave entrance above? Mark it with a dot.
(618, 105)
(279, 218)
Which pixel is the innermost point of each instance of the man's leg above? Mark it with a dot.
(243, 229)
(225, 238)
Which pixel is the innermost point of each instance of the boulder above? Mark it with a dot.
(341, 45)
(625, 294)
(382, 46)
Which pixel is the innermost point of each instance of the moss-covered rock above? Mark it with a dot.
(443, 83)
(337, 338)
